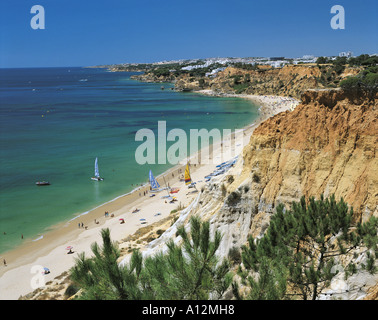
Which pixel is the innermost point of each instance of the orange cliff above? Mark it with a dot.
(327, 145)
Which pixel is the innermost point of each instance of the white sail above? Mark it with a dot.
(97, 174)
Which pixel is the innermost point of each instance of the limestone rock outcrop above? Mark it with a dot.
(327, 145)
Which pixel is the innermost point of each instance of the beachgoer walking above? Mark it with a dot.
(5, 263)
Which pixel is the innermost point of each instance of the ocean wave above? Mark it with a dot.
(39, 238)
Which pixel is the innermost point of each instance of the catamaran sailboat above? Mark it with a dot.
(188, 179)
(155, 186)
(153, 182)
(97, 174)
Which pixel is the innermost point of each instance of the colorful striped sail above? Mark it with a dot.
(188, 179)
(153, 182)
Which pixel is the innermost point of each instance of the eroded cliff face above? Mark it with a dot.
(290, 80)
(327, 145)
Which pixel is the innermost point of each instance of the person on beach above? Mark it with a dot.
(5, 263)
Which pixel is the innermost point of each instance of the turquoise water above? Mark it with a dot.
(54, 123)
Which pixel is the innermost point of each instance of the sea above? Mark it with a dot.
(54, 122)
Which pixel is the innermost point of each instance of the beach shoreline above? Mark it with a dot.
(49, 251)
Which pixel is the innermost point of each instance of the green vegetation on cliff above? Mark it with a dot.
(366, 82)
(361, 60)
(298, 256)
(188, 271)
(290, 80)
(303, 250)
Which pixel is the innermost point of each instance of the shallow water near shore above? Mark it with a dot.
(54, 123)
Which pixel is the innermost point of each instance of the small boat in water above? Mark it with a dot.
(42, 183)
(97, 174)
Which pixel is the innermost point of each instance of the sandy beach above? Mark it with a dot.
(23, 267)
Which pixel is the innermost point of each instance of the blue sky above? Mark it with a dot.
(82, 33)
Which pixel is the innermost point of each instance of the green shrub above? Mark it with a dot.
(241, 87)
(190, 270)
(233, 198)
(71, 290)
(234, 255)
(302, 245)
(224, 190)
(230, 179)
(159, 232)
(255, 177)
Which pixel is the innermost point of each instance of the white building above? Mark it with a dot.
(347, 54)
(308, 57)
